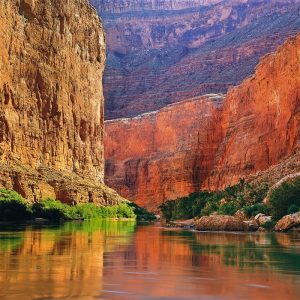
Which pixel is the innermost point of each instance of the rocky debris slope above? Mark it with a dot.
(51, 101)
(179, 51)
(197, 144)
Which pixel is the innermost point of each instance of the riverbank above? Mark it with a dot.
(243, 207)
(13, 207)
(260, 223)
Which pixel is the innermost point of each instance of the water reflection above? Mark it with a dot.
(119, 260)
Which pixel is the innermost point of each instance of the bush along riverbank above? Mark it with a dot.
(13, 207)
(243, 207)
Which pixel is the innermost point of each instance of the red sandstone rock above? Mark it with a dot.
(260, 118)
(288, 222)
(164, 154)
(220, 223)
(199, 145)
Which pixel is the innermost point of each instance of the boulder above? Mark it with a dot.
(220, 223)
(252, 225)
(241, 215)
(186, 224)
(288, 222)
(262, 219)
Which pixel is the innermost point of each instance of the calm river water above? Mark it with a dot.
(120, 260)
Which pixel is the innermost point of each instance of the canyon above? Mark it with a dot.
(164, 52)
(51, 101)
(210, 142)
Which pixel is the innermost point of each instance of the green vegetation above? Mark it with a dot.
(13, 207)
(226, 202)
(286, 198)
(253, 210)
(141, 213)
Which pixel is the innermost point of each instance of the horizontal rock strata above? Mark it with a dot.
(52, 58)
(209, 144)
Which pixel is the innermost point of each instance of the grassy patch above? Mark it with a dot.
(13, 207)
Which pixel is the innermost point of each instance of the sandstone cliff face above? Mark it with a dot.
(51, 99)
(160, 57)
(164, 154)
(261, 118)
(199, 145)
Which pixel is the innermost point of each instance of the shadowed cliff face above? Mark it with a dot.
(164, 53)
(51, 100)
(200, 145)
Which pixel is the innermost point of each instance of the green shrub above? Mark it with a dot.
(255, 194)
(141, 213)
(253, 210)
(54, 210)
(122, 210)
(13, 206)
(229, 208)
(209, 208)
(269, 225)
(293, 209)
(283, 197)
(167, 209)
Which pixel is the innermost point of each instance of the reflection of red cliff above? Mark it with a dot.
(166, 264)
(198, 144)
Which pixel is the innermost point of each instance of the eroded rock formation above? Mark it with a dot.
(197, 144)
(182, 50)
(52, 58)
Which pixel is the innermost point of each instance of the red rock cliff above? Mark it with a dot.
(199, 145)
(51, 101)
(260, 118)
(164, 154)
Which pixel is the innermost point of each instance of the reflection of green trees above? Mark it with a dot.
(245, 251)
(10, 243)
(12, 237)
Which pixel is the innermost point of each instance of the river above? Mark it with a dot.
(121, 260)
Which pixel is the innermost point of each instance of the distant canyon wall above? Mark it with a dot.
(205, 143)
(156, 58)
(52, 58)
(119, 6)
